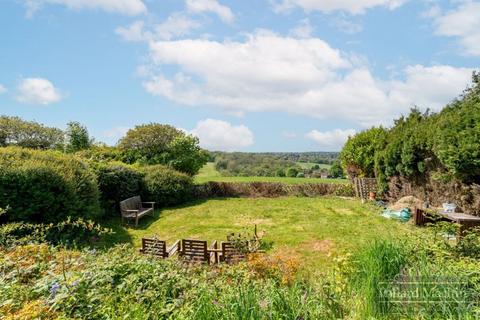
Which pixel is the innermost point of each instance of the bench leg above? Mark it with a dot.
(136, 222)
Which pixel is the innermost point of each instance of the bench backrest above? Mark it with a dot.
(154, 247)
(133, 203)
(230, 254)
(194, 250)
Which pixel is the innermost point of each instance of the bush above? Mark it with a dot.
(46, 186)
(166, 186)
(100, 154)
(117, 182)
(68, 233)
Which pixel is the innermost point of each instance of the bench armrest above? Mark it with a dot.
(152, 204)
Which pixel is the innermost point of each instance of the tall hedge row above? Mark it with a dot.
(443, 146)
(116, 182)
(46, 186)
(167, 186)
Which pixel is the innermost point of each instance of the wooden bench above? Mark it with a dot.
(465, 221)
(197, 251)
(133, 208)
(158, 248)
(230, 255)
(154, 247)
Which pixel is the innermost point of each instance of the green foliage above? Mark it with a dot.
(100, 154)
(28, 134)
(336, 170)
(70, 233)
(162, 144)
(167, 186)
(358, 154)
(444, 146)
(185, 155)
(272, 164)
(76, 137)
(457, 142)
(116, 182)
(292, 172)
(121, 284)
(46, 186)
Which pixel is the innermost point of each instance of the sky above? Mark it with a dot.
(250, 75)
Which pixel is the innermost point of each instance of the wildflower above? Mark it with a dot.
(54, 289)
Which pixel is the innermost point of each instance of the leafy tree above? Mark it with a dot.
(28, 134)
(280, 173)
(163, 144)
(336, 170)
(76, 137)
(292, 172)
(185, 155)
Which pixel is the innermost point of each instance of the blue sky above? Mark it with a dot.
(259, 75)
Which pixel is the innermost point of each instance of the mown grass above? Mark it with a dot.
(208, 173)
(315, 229)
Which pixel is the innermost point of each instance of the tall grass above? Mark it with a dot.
(391, 281)
(377, 265)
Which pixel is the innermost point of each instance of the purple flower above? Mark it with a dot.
(54, 289)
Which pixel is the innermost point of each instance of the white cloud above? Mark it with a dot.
(127, 7)
(463, 23)
(303, 30)
(2, 89)
(330, 140)
(116, 133)
(176, 25)
(37, 91)
(328, 6)
(200, 6)
(223, 136)
(268, 72)
(134, 32)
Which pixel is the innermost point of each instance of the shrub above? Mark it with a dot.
(46, 186)
(167, 186)
(70, 232)
(117, 182)
(100, 154)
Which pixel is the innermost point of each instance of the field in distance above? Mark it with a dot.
(209, 173)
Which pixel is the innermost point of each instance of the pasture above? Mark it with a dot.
(208, 173)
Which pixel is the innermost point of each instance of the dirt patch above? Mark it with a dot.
(325, 246)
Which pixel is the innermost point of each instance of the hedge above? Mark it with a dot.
(46, 186)
(116, 182)
(166, 186)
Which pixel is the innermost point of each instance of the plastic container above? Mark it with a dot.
(449, 207)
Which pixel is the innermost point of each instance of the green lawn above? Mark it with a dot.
(208, 173)
(314, 228)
